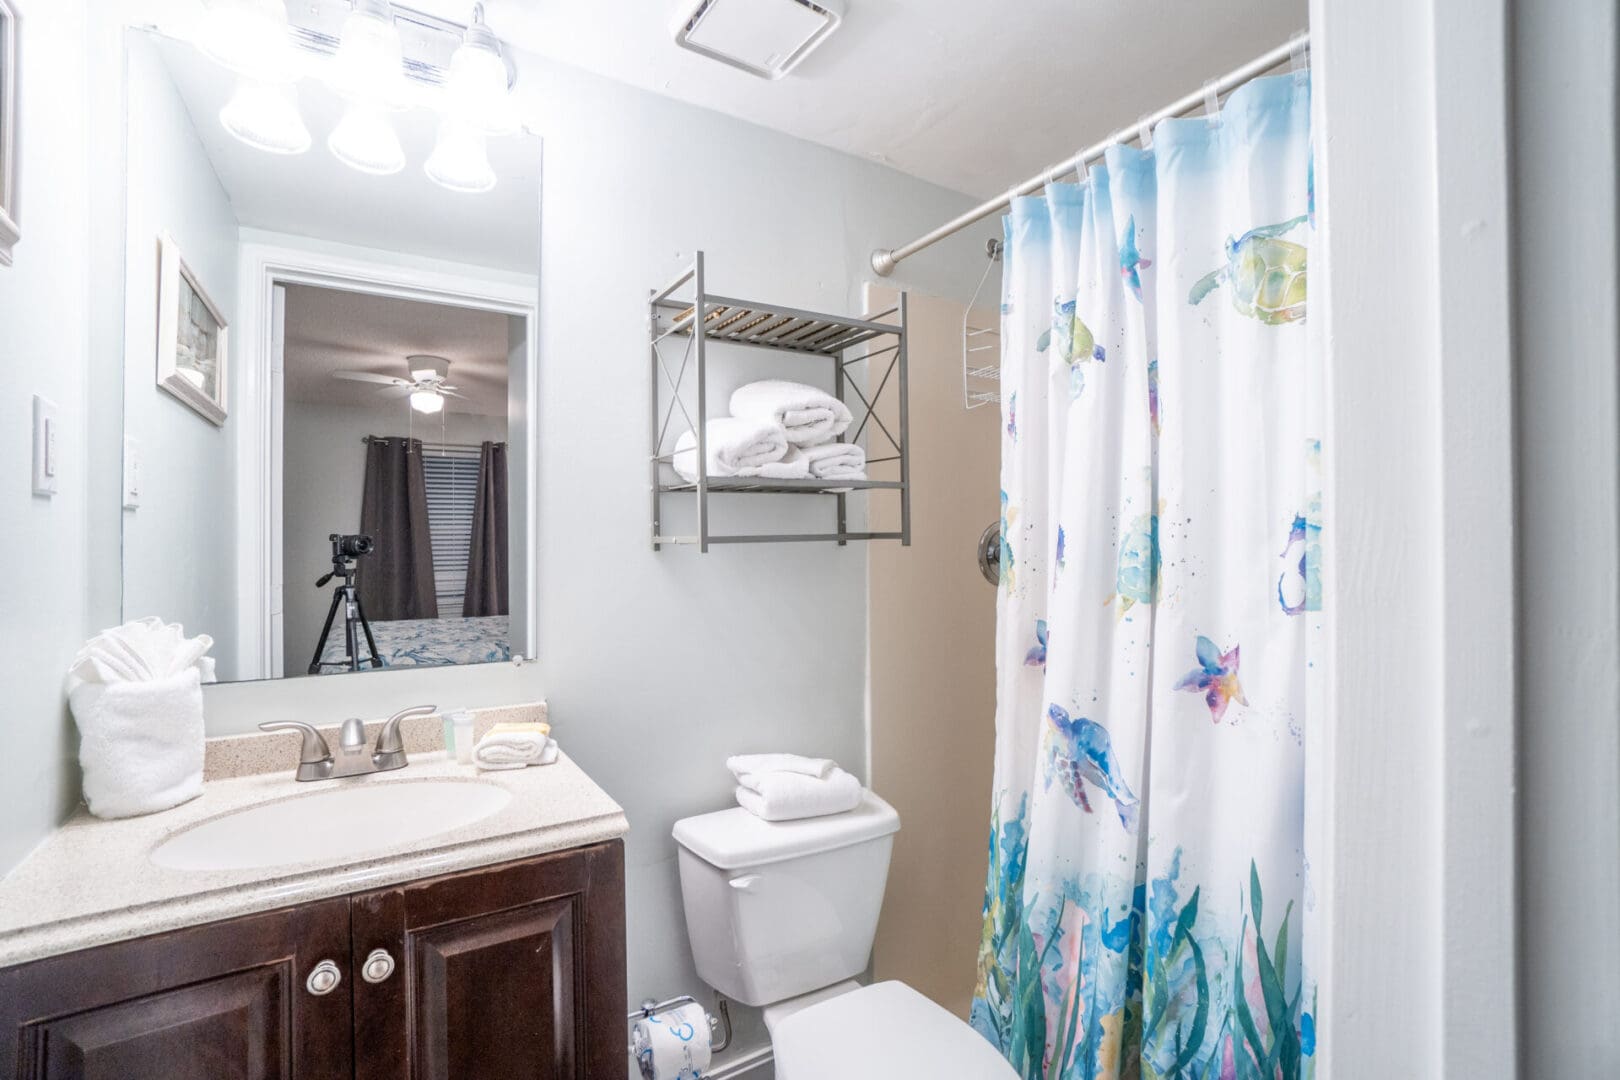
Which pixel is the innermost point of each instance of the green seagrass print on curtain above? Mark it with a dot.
(1161, 589)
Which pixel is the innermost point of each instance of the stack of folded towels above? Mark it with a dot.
(514, 746)
(777, 430)
(784, 787)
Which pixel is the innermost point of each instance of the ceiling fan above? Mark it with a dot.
(426, 386)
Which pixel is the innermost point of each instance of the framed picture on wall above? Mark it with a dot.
(193, 337)
(10, 233)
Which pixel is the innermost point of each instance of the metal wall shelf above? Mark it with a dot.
(780, 329)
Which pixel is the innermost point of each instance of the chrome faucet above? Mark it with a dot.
(315, 760)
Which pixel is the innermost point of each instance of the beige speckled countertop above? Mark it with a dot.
(90, 883)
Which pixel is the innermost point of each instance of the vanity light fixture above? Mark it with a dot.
(427, 401)
(365, 140)
(460, 159)
(250, 37)
(478, 86)
(369, 64)
(266, 116)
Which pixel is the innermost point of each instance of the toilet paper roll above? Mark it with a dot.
(673, 1045)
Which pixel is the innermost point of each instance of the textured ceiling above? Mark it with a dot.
(329, 330)
(973, 95)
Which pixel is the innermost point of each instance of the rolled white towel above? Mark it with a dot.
(787, 796)
(808, 415)
(136, 696)
(743, 764)
(514, 750)
(736, 447)
(836, 461)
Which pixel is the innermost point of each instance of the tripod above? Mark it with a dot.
(349, 597)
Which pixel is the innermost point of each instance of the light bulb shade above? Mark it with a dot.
(426, 401)
(476, 90)
(459, 160)
(369, 64)
(249, 37)
(365, 140)
(266, 117)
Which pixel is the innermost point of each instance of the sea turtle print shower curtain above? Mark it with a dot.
(1161, 569)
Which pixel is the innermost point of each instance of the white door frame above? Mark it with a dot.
(271, 260)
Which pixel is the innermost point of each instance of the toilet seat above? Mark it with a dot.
(885, 1031)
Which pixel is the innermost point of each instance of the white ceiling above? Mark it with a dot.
(329, 330)
(973, 95)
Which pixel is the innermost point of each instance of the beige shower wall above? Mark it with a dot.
(931, 664)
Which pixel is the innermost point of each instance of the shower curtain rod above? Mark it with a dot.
(885, 260)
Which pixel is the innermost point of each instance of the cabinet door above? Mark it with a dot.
(226, 1001)
(515, 972)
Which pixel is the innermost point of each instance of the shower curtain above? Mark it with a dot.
(1160, 582)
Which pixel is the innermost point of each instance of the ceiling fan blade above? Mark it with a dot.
(451, 393)
(366, 376)
(397, 391)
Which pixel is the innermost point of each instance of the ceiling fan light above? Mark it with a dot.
(249, 37)
(365, 140)
(460, 161)
(369, 63)
(266, 118)
(427, 401)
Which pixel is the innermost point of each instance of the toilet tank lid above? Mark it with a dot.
(735, 839)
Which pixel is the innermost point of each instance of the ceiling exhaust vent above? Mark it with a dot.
(767, 38)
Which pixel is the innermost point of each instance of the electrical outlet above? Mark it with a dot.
(132, 473)
(47, 451)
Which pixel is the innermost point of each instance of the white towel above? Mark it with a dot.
(136, 695)
(787, 796)
(743, 764)
(514, 750)
(836, 461)
(735, 448)
(809, 416)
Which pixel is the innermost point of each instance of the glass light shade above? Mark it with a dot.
(426, 401)
(476, 88)
(249, 37)
(365, 140)
(369, 63)
(266, 117)
(459, 160)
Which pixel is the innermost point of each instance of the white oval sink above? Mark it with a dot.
(339, 823)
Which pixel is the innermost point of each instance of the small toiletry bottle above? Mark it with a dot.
(449, 732)
(462, 719)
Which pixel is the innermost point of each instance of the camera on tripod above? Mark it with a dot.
(346, 549)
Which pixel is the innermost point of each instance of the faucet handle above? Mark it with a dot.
(314, 750)
(388, 739)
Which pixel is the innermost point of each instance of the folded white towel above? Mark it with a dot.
(787, 796)
(136, 695)
(808, 415)
(514, 750)
(743, 764)
(836, 461)
(735, 447)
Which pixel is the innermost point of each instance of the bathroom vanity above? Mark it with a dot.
(493, 949)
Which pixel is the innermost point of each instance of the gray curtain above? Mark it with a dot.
(486, 560)
(396, 579)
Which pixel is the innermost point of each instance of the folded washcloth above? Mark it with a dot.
(786, 796)
(136, 695)
(809, 416)
(742, 764)
(836, 461)
(514, 750)
(735, 448)
(532, 727)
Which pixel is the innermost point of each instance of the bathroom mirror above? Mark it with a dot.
(329, 355)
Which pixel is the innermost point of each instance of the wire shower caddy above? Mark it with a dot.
(981, 380)
(705, 318)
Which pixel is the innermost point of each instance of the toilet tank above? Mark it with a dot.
(778, 909)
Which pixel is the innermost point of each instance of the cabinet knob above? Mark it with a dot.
(324, 979)
(378, 966)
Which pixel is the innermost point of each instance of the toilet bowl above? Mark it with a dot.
(781, 915)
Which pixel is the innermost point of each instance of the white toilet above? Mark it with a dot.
(782, 915)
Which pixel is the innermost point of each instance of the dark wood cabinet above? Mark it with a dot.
(512, 972)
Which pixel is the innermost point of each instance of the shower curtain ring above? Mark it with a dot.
(1212, 103)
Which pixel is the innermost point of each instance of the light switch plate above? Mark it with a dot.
(47, 446)
(132, 473)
